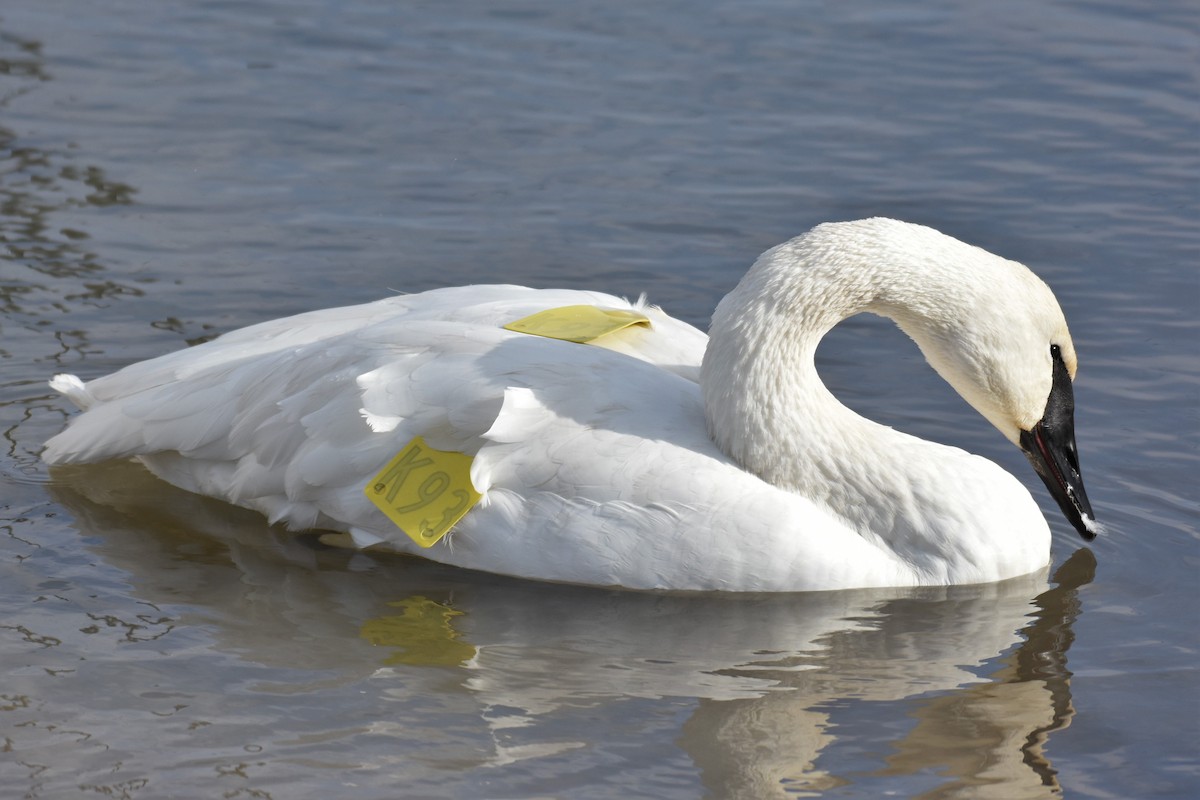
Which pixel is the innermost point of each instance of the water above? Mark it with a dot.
(172, 171)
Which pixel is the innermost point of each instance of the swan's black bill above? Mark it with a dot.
(1050, 447)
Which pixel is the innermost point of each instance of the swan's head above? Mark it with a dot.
(996, 333)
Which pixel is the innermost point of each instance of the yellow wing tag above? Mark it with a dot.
(424, 491)
(577, 323)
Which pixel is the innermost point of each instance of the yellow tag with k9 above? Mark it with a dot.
(579, 324)
(424, 491)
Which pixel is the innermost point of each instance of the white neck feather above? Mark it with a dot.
(768, 409)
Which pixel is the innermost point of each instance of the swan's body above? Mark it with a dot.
(596, 462)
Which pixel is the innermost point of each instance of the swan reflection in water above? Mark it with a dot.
(765, 679)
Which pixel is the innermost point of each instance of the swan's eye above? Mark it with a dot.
(1055, 351)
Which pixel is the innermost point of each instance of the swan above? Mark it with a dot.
(649, 456)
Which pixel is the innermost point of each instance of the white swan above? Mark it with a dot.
(595, 463)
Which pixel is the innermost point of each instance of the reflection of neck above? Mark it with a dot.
(924, 643)
(725, 739)
(1025, 701)
(1043, 656)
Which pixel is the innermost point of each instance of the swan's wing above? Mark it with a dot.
(296, 431)
(267, 414)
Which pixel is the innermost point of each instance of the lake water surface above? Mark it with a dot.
(171, 171)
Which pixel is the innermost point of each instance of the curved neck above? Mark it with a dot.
(767, 407)
(949, 515)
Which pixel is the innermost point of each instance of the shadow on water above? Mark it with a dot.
(980, 671)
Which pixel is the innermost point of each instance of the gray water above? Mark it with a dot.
(170, 171)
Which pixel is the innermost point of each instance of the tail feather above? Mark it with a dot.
(73, 389)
